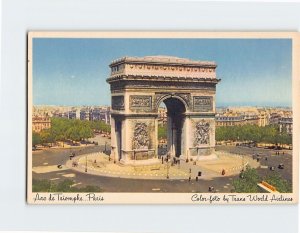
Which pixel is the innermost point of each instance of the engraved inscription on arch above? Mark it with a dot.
(117, 102)
(143, 102)
(203, 103)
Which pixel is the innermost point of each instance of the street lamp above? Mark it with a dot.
(187, 156)
(243, 162)
(167, 166)
(86, 163)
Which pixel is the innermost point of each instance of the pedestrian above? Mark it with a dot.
(189, 178)
(223, 172)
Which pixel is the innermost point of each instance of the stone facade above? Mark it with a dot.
(40, 123)
(139, 85)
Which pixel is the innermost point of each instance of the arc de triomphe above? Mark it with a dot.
(139, 85)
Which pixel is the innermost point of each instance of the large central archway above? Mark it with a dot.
(139, 85)
(175, 122)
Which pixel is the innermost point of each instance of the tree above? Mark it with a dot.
(267, 134)
(73, 133)
(86, 132)
(281, 185)
(36, 139)
(247, 182)
(46, 136)
(162, 132)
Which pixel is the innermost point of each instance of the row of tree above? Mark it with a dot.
(267, 134)
(63, 129)
(254, 133)
(162, 132)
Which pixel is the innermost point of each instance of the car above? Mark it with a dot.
(281, 166)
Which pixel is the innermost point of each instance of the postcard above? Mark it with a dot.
(163, 117)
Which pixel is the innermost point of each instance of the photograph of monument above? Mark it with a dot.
(140, 85)
(114, 117)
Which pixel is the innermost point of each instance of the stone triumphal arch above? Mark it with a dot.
(140, 85)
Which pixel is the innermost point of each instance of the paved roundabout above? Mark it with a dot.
(99, 164)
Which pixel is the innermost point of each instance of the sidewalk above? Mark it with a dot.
(98, 164)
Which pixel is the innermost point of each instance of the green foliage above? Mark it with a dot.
(46, 136)
(247, 182)
(89, 189)
(36, 139)
(281, 185)
(63, 129)
(162, 132)
(63, 186)
(267, 134)
(41, 186)
(100, 126)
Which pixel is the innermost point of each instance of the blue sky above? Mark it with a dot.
(70, 72)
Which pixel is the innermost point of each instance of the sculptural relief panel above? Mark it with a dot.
(202, 133)
(141, 138)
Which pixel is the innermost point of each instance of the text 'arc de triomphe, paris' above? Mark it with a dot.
(139, 85)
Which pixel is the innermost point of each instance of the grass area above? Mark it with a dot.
(63, 186)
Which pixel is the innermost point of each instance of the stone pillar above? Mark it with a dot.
(118, 144)
(169, 134)
(125, 140)
(156, 137)
(174, 141)
(187, 137)
(113, 139)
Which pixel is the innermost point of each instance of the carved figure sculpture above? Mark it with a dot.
(201, 133)
(140, 136)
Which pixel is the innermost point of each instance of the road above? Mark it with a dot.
(110, 184)
(267, 158)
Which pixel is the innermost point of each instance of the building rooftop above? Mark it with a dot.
(162, 59)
